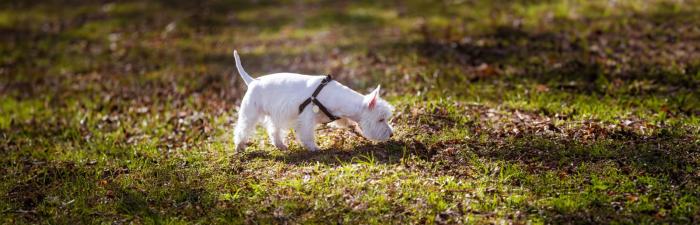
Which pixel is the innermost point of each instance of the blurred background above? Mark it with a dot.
(141, 48)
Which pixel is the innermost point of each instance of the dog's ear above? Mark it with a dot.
(371, 98)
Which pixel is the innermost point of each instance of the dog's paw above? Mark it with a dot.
(240, 148)
(282, 147)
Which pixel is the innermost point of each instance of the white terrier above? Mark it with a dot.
(289, 100)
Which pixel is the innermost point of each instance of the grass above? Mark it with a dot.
(506, 112)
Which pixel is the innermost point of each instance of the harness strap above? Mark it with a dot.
(316, 102)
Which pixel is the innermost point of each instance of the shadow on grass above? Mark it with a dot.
(390, 152)
(674, 157)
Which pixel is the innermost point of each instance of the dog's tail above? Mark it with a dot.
(247, 78)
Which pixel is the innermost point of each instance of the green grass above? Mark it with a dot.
(506, 112)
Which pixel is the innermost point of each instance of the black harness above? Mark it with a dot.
(323, 109)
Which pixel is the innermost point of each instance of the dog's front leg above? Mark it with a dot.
(305, 131)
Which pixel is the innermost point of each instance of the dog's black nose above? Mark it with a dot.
(391, 134)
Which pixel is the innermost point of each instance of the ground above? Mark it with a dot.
(506, 112)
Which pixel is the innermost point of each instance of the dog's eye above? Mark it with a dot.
(381, 120)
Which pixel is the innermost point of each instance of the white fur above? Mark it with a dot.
(274, 99)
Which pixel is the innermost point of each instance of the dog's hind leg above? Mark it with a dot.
(304, 131)
(245, 126)
(276, 133)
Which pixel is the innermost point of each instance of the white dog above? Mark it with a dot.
(284, 100)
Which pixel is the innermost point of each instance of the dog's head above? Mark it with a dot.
(376, 114)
